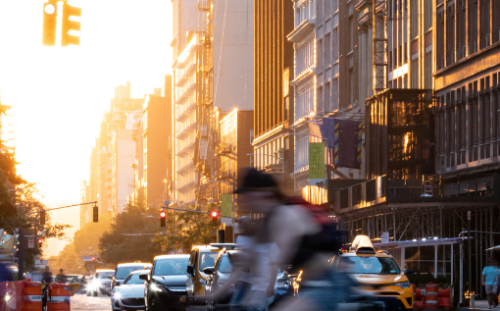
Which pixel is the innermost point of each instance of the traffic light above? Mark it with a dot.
(49, 23)
(42, 218)
(95, 213)
(40, 243)
(163, 215)
(70, 25)
(214, 216)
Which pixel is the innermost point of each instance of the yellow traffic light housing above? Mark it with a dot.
(49, 23)
(70, 25)
(95, 213)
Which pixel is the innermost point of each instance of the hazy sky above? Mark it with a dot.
(60, 93)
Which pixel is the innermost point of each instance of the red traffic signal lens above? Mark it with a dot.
(49, 9)
(40, 241)
(214, 214)
(163, 214)
(93, 258)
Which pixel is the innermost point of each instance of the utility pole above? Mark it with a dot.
(469, 241)
(21, 255)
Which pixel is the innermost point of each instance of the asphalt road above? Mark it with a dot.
(85, 303)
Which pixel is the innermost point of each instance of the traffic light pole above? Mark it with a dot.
(53, 209)
(199, 212)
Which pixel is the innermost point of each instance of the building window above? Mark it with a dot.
(428, 70)
(328, 105)
(428, 15)
(414, 73)
(327, 49)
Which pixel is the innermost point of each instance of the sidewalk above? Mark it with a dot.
(478, 305)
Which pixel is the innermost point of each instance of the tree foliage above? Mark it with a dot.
(19, 202)
(136, 237)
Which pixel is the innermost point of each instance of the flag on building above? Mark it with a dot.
(344, 142)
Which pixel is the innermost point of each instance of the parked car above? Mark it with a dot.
(129, 294)
(202, 256)
(124, 269)
(165, 284)
(100, 283)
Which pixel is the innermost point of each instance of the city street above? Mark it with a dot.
(85, 303)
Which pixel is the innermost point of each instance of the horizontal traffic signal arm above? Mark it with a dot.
(60, 207)
(199, 212)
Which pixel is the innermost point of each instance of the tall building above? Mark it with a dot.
(273, 101)
(466, 80)
(156, 134)
(111, 178)
(326, 79)
(236, 134)
(214, 72)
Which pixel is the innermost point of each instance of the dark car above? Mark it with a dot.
(124, 269)
(219, 275)
(165, 286)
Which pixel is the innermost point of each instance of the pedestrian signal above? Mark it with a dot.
(163, 215)
(95, 213)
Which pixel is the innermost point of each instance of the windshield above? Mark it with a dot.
(225, 265)
(207, 260)
(171, 266)
(104, 275)
(370, 265)
(133, 279)
(122, 272)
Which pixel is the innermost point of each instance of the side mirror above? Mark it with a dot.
(117, 284)
(409, 272)
(110, 277)
(209, 271)
(143, 277)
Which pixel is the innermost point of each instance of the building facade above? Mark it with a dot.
(467, 41)
(273, 100)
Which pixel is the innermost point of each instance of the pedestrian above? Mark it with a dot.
(490, 280)
(60, 276)
(46, 280)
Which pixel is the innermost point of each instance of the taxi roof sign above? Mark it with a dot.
(361, 241)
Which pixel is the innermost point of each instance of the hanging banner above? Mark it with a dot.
(226, 204)
(345, 140)
(316, 162)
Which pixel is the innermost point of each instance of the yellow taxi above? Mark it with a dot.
(377, 272)
(201, 257)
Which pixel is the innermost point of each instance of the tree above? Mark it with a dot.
(136, 237)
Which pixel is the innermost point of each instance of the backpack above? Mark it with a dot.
(327, 240)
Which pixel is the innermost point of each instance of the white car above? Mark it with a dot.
(129, 295)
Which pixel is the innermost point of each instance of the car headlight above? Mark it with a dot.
(156, 288)
(403, 284)
(117, 295)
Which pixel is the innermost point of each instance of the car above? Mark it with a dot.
(201, 257)
(378, 273)
(100, 283)
(219, 275)
(124, 269)
(129, 293)
(165, 284)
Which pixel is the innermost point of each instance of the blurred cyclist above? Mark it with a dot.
(305, 238)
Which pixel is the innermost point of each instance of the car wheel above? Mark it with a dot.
(88, 293)
(94, 293)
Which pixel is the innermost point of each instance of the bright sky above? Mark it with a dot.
(60, 94)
